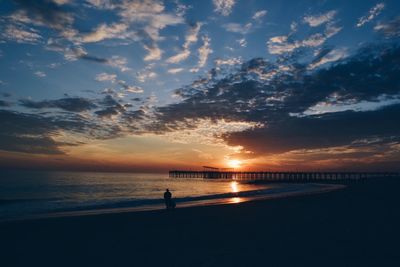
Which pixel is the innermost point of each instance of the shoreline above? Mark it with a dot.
(230, 199)
(355, 226)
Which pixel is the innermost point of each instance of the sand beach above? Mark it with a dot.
(355, 226)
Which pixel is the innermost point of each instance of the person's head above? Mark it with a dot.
(167, 190)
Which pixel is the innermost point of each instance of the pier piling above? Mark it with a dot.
(280, 176)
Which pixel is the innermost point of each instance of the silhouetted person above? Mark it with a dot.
(168, 199)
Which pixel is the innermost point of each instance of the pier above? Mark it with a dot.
(209, 173)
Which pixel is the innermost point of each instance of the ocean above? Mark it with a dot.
(35, 194)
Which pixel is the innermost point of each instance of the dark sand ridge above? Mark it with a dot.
(356, 226)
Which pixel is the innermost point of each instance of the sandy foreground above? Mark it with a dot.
(355, 226)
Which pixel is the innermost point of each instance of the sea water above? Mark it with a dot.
(27, 194)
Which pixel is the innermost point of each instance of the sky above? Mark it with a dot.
(151, 85)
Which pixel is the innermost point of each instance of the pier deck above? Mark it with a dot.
(279, 176)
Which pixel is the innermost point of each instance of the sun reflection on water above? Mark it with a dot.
(236, 200)
(234, 187)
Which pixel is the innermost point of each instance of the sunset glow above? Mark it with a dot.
(156, 85)
(199, 133)
(234, 163)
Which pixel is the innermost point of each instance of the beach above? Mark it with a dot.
(354, 226)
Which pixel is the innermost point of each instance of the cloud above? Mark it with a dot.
(44, 13)
(130, 88)
(237, 27)
(184, 54)
(110, 111)
(284, 44)
(34, 134)
(74, 104)
(317, 132)
(333, 104)
(181, 9)
(133, 89)
(373, 12)
(72, 53)
(50, 132)
(190, 38)
(40, 74)
(102, 4)
(293, 27)
(259, 14)
(204, 51)
(62, 2)
(78, 52)
(389, 29)
(104, 31)
(279, 45)
(175, 70)
(5, 103)
(203, 155)
(53, 132)
(154, 53)
(359, 110)
(75, 53)
(138, 21)
(27, 133)
(223, 7)
(228, 61)
(69, 53)
(107, 77)
(205, 131)
(147, 18)
(109, 91)
(320, 19)
(329, 56)
(146, 74)
(111, 107)
(103, 77)
(21, 34)
(242, 42)
(5, 94)
(118, 62)
(268, 108)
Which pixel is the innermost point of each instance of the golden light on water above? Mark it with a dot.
(234, 187)
(236, 200)
(234, 163)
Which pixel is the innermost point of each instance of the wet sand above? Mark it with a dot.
(355, 226)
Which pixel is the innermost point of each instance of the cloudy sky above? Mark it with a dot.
(151, 85)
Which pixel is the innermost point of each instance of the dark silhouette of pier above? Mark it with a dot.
(209, 173)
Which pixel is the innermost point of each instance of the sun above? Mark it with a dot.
(234, 163)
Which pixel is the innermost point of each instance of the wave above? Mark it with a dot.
(131, 205)
(22, 200)
(286, 188)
